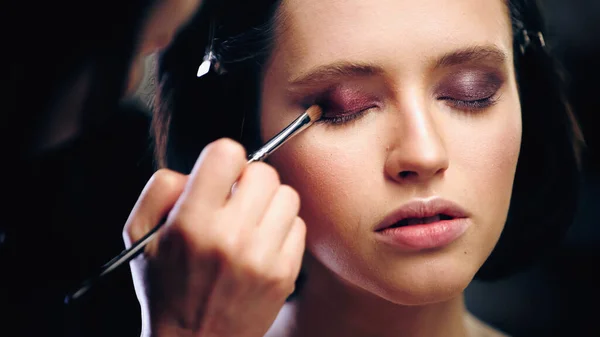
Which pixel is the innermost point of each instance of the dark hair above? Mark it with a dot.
(193, 112)
(58, 39)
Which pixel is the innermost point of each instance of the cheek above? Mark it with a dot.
(316, 170)
(328, 171)
(495, 152)
(490, 154)
(486, 159)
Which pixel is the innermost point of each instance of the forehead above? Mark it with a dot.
(312, 32)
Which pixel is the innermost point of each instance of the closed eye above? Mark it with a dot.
(344, 117)
(470, 105)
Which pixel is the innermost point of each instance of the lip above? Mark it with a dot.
(424, 236)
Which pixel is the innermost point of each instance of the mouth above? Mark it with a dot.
(423, 224)
(421, 221)
(422, 212)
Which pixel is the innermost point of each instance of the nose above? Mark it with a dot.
(417, 152)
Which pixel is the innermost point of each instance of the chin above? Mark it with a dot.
(422, 283)
(425, 294)
(429, 291)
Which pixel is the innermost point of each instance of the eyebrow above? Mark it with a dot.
(344, 69)
(471, 55)
(335, 70)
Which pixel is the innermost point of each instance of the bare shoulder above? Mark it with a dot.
(478, 328)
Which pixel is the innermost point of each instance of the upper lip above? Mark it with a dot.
(422, 209)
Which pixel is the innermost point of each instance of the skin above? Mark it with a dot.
(220, 254)
(225, 262)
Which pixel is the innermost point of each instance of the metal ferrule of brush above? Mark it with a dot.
(274, 143)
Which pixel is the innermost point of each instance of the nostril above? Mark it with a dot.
(406, 174)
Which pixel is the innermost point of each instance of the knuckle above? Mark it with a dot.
(185, 217)
(163, 185)
(263, 172)
(280, 277)
(183, 234)
(174, 241)
(300, 226)
(164, 179)
(290, 196)
(179, 234)
(257, 267)
(253, 266)
(130, 232)
(204, 235)
(200, 249)
(226, 148)
(281, 281)
(227, 248)
(298, 233)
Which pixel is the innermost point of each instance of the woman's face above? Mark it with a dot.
(421, 104)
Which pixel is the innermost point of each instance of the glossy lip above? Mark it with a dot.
(422, 209)
(418, 237)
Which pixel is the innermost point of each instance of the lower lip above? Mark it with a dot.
(425, 236)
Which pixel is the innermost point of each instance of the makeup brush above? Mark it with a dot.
(298, 125)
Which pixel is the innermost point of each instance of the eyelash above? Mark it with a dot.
(471, 106)
(345, 118)
(464, 105)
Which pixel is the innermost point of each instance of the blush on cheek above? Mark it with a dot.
(308, 167)
(323, 175)
(497, 153)
(504, 146)
(488, 161)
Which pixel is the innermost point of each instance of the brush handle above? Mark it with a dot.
(286, 134)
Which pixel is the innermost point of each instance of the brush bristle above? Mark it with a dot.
(314, 112)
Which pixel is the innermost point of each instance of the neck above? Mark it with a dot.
(330, 307)
(64, 119)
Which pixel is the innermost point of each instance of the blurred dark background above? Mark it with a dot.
(560, 295)
(87, 189)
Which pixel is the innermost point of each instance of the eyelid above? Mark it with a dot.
(344, 117)
(351, 111)
(319, 92)
(307, 98)
(470, 85)
(474, 105)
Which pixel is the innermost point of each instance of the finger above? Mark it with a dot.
(156, 200)
(294, 245)
(254, 192)
(280, 216)
(218, 167)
